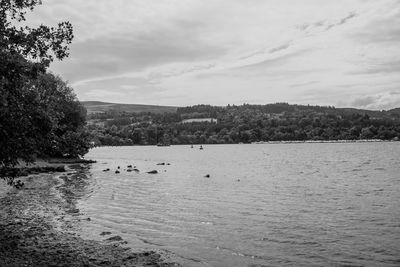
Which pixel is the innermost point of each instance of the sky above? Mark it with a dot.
(343, 53)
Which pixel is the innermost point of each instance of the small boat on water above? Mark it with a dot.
(163, 144)
(201, 147)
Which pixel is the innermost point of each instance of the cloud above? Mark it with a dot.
(364, 101)
(271, 62)
(326, 24)
(304, 84)
(381, 26)
(342, 21)
(184, 52)
(279, 48)
(386, 100)
(272, 50)
(345, 19)
(381, 67)
(110, 55)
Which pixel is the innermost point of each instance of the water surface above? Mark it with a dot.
(271, 204)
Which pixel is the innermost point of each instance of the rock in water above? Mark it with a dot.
(105, 233)
(114, 238)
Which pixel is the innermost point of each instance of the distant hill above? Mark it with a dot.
(206, 124)
(394, 111)
(94, 107)
(100, 107)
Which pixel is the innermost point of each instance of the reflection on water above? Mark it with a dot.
(275, 205)
(75, 186)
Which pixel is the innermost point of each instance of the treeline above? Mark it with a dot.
(244, 124)
(40, 115)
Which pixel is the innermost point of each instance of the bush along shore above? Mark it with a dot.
(37, 223)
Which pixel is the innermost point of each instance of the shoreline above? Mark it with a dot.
(37, 225)
(273, 143)
(326, 141)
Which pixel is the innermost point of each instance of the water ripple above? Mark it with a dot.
(295, 205)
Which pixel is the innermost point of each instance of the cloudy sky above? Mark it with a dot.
(185, 52)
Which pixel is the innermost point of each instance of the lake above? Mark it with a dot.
(313, 204)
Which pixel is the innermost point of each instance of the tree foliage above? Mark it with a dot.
(67, 135)
(37, 110)
(244, 124)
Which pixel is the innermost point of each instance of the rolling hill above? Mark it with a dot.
(94, 107)
(100, 107)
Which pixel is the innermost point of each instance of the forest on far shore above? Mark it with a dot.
(242, 124)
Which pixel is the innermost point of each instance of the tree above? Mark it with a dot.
(25, 53)
(68, 136)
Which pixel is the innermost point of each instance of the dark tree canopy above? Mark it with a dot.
(36, 109)
(66, 116)
(41, 44)
(243, 124)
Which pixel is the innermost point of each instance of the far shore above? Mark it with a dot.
(325, 141)
(274, 142)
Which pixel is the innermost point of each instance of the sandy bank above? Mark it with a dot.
(37, 227)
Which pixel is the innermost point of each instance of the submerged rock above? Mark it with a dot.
(73, 210)
(35, 230)
(115, 238)
(19, 184)
(105, 233)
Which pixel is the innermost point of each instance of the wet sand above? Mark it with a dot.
(37, 226)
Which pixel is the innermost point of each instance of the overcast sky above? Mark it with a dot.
(186, 52)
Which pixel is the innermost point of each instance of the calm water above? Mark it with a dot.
(270, 205)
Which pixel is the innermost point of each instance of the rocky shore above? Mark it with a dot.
(37, 226)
